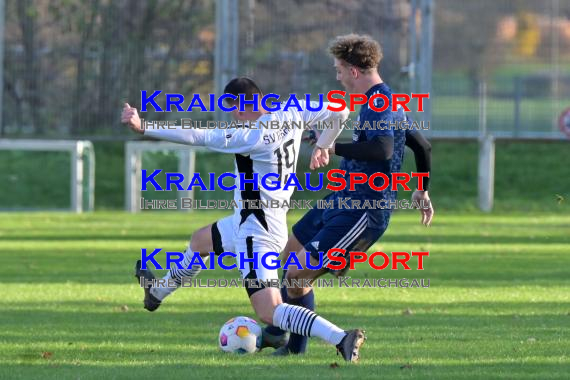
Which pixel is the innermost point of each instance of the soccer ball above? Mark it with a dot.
(240, 335)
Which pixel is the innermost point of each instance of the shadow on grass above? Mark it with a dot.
(97, 316)
(445, 270)
(95, 339)
(130, 236)
(527, 239)
(240, 367)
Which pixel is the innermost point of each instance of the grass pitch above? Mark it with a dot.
(498, 305)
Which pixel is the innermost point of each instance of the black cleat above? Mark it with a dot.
(349, 346)
(275, 341)
(151, 303)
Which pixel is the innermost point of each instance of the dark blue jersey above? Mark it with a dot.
(374, 125)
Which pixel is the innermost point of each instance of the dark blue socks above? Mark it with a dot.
(298, 343)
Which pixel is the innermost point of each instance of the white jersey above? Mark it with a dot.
(261, 149)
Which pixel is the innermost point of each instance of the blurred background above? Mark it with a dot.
(495, 69)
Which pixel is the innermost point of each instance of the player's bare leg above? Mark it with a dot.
(293, 245)
(295, 273)
(270, 309)
(201, 241)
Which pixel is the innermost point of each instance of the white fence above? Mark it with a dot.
(78, 150)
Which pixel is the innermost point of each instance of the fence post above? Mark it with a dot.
(133, 165)
(77, 177)
(90, 152)
(486, 177)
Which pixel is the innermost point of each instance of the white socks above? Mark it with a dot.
(161, 291)
(299, 320)
(176, 274)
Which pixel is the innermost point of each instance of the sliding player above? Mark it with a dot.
(257, 150)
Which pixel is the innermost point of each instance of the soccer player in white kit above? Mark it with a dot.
(258, 150)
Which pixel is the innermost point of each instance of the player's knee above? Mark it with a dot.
(201, 240)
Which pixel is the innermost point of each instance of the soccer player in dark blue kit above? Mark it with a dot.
(356, 59)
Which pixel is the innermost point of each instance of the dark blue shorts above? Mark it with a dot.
(352, 230)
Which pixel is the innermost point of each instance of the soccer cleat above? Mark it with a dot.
(275, 341)
(349, 346)
(151, 303)
(281, 351)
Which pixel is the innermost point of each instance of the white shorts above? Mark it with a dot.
(248, 238)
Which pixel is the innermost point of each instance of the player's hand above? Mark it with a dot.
(131, 117)
(427, 213)
(319, 158)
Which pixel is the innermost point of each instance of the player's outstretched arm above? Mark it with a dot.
(241, 140)
(422, 154)
(187, 136)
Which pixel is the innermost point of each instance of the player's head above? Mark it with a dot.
(248, 87)
(356, 60)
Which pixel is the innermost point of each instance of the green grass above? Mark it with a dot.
(498, 305)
